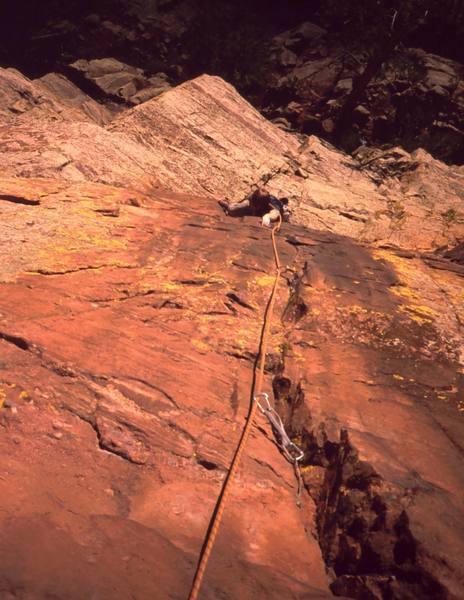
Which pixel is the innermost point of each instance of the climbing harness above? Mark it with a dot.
(286, 444)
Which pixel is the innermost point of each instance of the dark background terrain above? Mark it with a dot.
(368, 43)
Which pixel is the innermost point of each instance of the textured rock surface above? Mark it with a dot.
(73, 97)
(131, 406)
(47, 99)
(129, 322)
(203, 138)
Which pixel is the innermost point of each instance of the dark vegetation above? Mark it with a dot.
(434, 25)
(232, 41)
(227, 37)
(380, 28)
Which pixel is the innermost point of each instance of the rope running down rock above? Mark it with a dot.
(258, 378)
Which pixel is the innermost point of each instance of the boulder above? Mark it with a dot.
(118, 80)
(441, 72)
(304, 34)
(282, 123)
(361, 114)
(344, 86)
(287, 58)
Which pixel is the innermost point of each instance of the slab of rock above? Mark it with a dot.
(209, 138)
(133, 460)
(130, 318)
(113, 77)
(218, 154)
(72, 96)
(127, 355)
(203, 138)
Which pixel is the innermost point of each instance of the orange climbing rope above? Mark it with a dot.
(258, 378)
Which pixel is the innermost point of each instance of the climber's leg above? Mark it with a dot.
(236, 209)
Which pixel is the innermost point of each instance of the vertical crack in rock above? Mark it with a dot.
(363, 528)
(296, 307)
(362, 523)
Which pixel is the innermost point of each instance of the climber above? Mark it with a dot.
(260, 204)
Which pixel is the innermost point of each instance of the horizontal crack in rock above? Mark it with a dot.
(19, 200)
(84, 268)
(237, 300)
(17, 341)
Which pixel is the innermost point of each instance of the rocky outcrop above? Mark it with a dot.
(129, 324)
(203, 138)
(120, 81)
(45, 100)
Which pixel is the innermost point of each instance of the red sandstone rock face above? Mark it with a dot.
(128, 413)
(129, 322)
